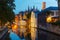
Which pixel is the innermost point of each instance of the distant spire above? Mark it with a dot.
(33, 7)
(28, 8)
(36, 8)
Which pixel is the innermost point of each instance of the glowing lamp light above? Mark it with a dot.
(14, 27)
(49, 19)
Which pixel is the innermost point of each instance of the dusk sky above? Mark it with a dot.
(22, 5)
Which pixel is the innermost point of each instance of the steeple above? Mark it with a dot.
(33, 7)
(28, 8)
(24, 16)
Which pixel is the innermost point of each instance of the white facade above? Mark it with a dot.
(55, 13)
(33, 26)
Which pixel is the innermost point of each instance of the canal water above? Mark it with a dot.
(42, 35)
(13, 36)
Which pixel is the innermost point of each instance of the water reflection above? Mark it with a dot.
(14, 36)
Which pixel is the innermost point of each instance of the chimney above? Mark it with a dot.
(43, 5)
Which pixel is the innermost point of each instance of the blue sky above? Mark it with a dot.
(22, 5)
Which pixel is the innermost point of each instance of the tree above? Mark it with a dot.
(6, 10)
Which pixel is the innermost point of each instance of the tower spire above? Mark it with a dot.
(28, 8)
(33, 7)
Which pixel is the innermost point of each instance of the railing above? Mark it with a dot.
(44, 34)
(3, 33)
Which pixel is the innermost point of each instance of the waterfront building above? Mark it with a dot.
(27, 21)
(51, 12)
(33, 25)
(15, 25)
(23, 23)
